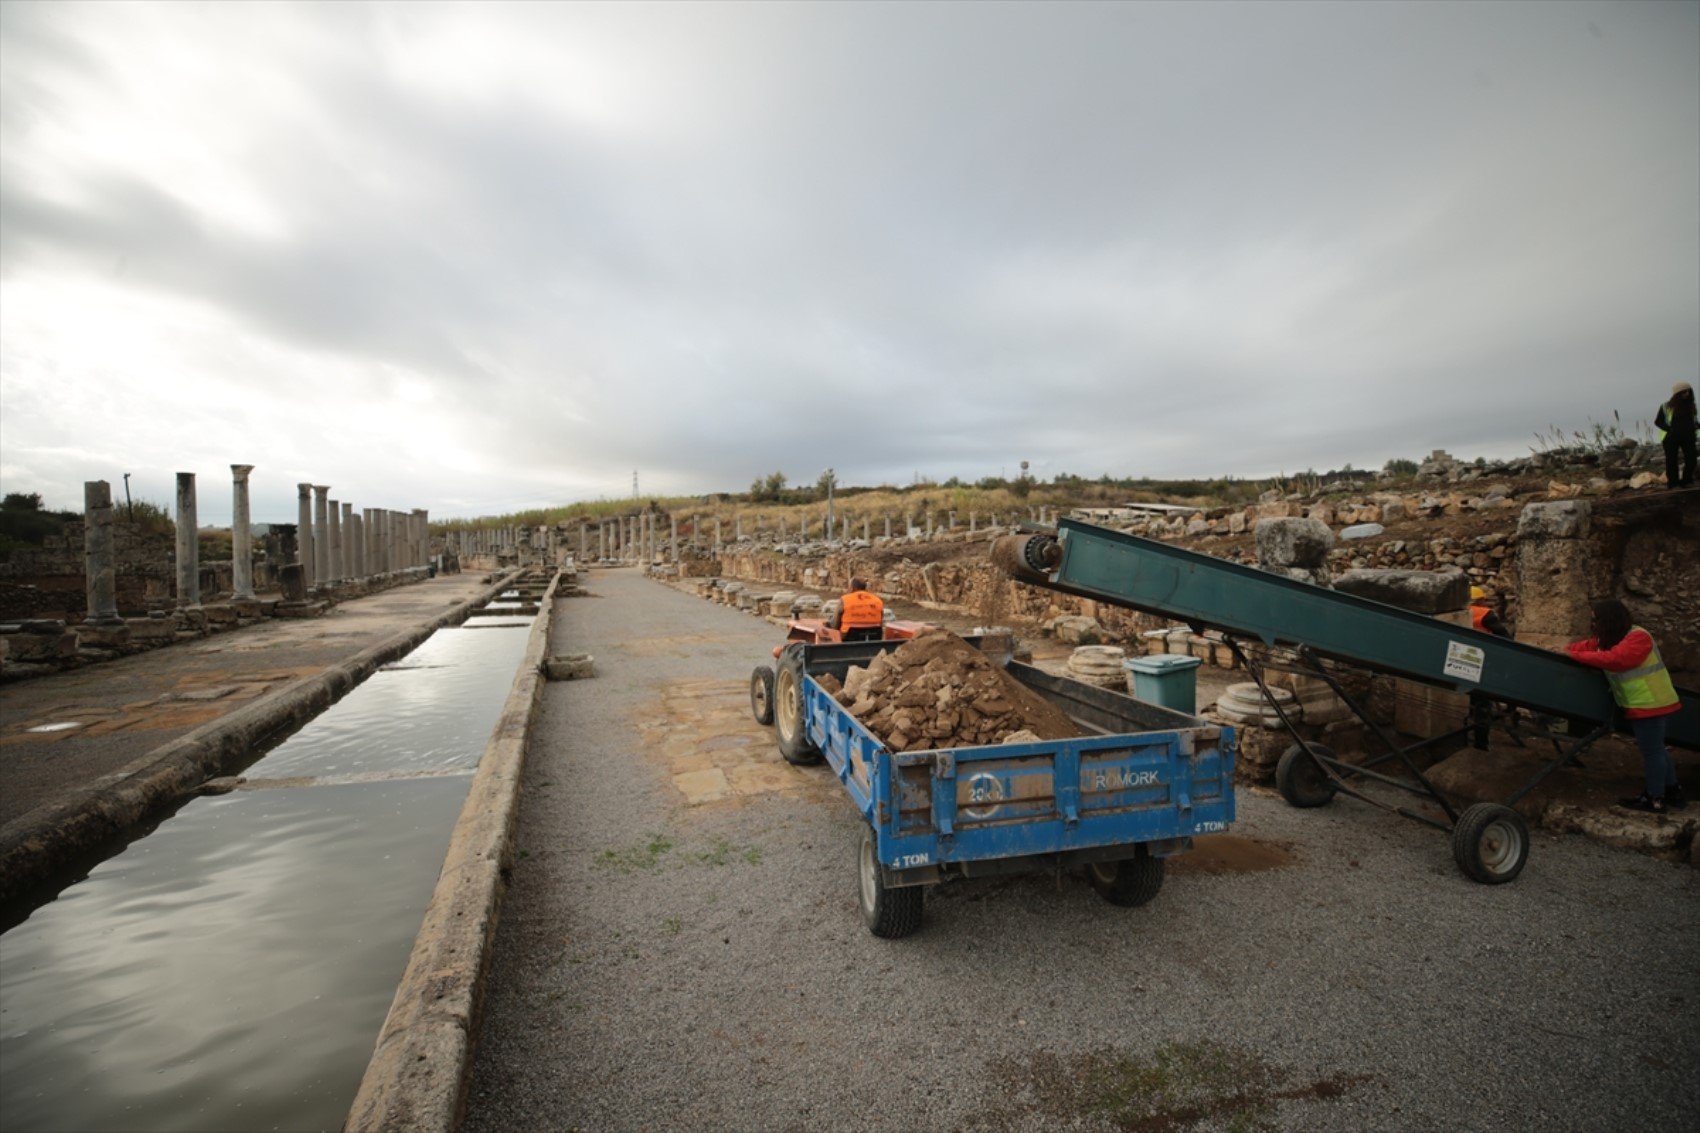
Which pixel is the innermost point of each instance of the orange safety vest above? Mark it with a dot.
(861, 610)
(1478, 614)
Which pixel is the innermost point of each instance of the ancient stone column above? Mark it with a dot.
(737, 527)
(304, 532)
(717, 542)
(672, 538)
(348, 548)
(334, 509)
(888, 527)
(188, 545)
(241, 535)
(368, 541)
(973, 523)
(321, 537)
(99, 567)
(356, 544)
(951, 523)
(865, 529)
(422, 517)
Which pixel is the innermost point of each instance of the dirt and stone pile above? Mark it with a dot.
(938, 691)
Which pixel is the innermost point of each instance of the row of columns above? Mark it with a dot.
(333, 544)
(336, 544)
(640, 537)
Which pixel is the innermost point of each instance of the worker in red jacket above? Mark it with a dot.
(861, 614)
(1642, 687)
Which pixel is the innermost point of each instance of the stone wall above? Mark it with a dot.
(48, 582)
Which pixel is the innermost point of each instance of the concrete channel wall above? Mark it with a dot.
(417, 1079)
(53, 840)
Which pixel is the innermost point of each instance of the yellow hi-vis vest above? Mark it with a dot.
(1648, 685)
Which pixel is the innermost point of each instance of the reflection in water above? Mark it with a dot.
(231, 970)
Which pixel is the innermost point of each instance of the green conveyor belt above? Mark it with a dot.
(1208, 592)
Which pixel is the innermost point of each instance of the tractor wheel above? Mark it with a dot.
(788, 720)
(761, 694)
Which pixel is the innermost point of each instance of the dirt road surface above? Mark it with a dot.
(681, 949)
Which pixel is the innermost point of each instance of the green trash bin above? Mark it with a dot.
(1165, 679)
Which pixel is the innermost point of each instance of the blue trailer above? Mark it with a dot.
(1117, 801)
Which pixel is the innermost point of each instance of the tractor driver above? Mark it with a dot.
(861, 614)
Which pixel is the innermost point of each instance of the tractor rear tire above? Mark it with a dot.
(1130, 882)
(789, 722)
(1301, 779)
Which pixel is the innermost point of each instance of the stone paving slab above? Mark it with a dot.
(127, 707)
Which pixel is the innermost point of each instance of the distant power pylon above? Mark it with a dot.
(634, 484)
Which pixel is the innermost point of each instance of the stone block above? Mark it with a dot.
(1362, 531)
(53, 646)
(1236, 523)
(1555, 519)
(151, 631)
(1421, 591)
(1288, 542)
(572, 667)
(90, 636)
(220, 613)
(1277, 510)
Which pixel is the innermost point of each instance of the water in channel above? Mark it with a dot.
(230, 971)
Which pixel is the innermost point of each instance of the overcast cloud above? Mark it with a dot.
(486, 257)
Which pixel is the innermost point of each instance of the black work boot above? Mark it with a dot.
(1675, 799)
(1643, 802)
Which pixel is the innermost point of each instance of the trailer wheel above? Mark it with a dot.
(1490, 843)
(1130, 882)
(788, 722)
(1301, 779)
(761, 694)
(889, 911)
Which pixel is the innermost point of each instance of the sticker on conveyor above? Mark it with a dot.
(985, 792)
(1464, 661)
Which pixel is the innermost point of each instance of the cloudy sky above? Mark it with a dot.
(485, 257)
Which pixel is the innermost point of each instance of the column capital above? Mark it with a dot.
(239, 472)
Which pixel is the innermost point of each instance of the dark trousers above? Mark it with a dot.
(1673, 445)
(1655, 758)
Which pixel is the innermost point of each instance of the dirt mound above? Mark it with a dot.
(938, 691)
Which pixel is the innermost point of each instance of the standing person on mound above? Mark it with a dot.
(1676, 426)
(1642, 687)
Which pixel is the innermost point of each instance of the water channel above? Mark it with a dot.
(230, 971)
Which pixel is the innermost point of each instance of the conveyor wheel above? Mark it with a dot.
(1490, 843)
(788, 722)
(1301, 779)
(890, 911)
(1130, 882)
(761, 694)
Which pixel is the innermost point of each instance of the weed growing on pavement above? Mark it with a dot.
(722, 852)
(1178, 1087)
(632, 858)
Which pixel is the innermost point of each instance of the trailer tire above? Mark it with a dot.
(889, 911)
(1301, 779)
(761, 694)
(789, 724)
(1490, 843)
(1130, 882)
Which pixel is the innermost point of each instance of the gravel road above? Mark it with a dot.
(664, 965)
